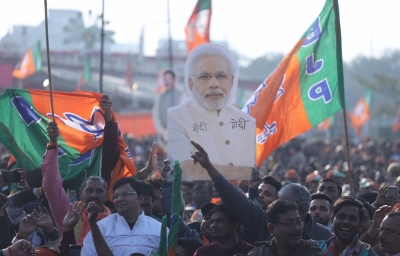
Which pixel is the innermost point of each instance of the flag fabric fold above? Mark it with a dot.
(30, 63)
(198, 28)
(305, 88)
(360, 114)
(176, 205)
(24, 116)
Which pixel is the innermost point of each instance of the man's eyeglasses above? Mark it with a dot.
(291, 224)
(123, 194)
(205, 78)
(387, 232)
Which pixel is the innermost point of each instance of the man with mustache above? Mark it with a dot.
(227, 133)
(389, 234)
(347, 215)
(224, 230)
(128, 230)
(321, 208)
(286, 228)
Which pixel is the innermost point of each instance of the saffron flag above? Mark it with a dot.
(326, 124)
(198, 28)
(30, 63)
(396, 125)
(24, 116)
(361, 112)
(305, 89)
(176, 205)
(86, 74)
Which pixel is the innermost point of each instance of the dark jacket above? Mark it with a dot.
(254, 219)
(269, 249)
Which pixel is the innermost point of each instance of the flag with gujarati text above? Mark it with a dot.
(30, 63)
(24, 116)
(305, 88)
(361, 112)
(198, 28)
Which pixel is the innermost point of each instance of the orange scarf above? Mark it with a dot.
(85, 224)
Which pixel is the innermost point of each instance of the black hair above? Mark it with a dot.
(279, 207)
(369, 196)
(157, 183)
(224, 208)
(368, 207)
(322, 196)
(136, 185)
(148, 189)
(269, 180)
(189, 244)
(334, 181)
(347, 200)
(171, 72)
(94, 178)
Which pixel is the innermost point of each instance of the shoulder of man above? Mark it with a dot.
(262, 248)
(107, 220)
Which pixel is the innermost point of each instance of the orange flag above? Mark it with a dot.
(305, 89)
(198, 28)
(396, 125)
(30, 63)
(361, 112)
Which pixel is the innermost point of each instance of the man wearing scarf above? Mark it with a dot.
(346, 219)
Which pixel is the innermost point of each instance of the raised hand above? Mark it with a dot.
(93, 210)
(27, 226)
(53, 132)
(106, 104)
(151, 164)
(255, 179)
(200, 156)
(380, 215)
(72, 217)
(380, 200)
(43, 220)
(22, 248)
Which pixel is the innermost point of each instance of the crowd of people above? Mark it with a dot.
(305, 199)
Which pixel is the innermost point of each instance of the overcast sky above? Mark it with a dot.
(252, 27)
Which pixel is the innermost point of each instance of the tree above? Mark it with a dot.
(388, 87)
(89, 35)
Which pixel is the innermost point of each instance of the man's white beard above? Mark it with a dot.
(211, 104)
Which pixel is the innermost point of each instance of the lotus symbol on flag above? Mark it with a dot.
(95, 125)
(202, 21)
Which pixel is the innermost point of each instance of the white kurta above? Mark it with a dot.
(122, 240)
(227, 135)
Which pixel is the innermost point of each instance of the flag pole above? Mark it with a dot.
(349, 173)
(341, 90)
(48, 59)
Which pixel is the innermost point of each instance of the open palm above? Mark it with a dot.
(72, 217)
(27, 226)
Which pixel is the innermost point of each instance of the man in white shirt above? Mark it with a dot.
(227, 133)
(125, 232)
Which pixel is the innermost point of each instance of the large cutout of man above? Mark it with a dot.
(208, 117)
